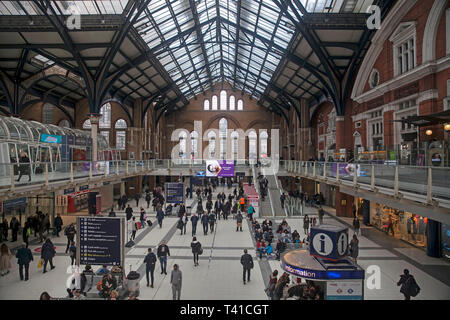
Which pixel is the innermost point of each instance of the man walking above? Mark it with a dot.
(160, 216)
(247, 264)
(129, 212)
(175, 280)
(147, 199)
(24, 257)
(163, 252)
(58, 224)
(150, 262)
(205, 221)
(14, 226)
(194, 220)
(282, 198)
(212, 221)
(70, 234)
(408, 284)
(320, 213)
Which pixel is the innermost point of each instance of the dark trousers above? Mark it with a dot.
(69, 241)
(183, 228)
(148, 204)
(407, 297)
(21, 174)
(58, 230)
(194, 229)
(72, 260)
(14, 235)
(245, 270)
(150, 270)
(195, 257)
(47, 261)
(27, 267)
(163, 261)
(137, 203)
(133, 234)
(211, 226)
(205, 228)
(160, 223)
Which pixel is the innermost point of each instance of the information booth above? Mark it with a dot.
(326, 265)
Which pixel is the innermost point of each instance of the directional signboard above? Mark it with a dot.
(174, 192)
(100, 241)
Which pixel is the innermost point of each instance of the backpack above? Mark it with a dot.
(99, 285)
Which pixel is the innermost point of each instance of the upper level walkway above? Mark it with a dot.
(384, 183)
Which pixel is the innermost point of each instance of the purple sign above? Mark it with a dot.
(345, 169)
(219, 168)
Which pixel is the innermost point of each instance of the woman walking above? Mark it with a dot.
(272, 282)
(47, 254)
(196, 250)
(5, 259)
(354, 248)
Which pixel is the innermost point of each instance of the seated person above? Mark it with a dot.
(295, 237)
(279, 249)
(103, 270)
(280, 228)
(285, 237)
(109, 283)
(268, 249)
(260, 248)
(258, 234)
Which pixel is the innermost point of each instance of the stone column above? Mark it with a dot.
(94, 117)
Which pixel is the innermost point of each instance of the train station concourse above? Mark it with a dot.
(230, 150)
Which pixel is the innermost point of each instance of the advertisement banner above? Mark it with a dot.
(344, 290)
(347, 170)
(174, 192)
(219, 168)
(50, 138)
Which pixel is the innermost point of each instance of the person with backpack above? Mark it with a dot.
(147, 199)
(47, 254)
(409, 286)
(205, 221)
(247, 264)
(196, 250)
(24, 257)
(129, 212)
(250, 212)
(194, 221)
(72, 253)
(150, 262)
(58, 224)
(239, 219)
(69, 232)
(162, 253)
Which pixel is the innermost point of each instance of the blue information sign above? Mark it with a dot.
(14, 204)
(99, 241)
(174, 192)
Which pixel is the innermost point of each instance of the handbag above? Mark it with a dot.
(40, 263)
(200, 252)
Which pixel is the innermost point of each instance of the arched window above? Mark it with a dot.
(263, 136)
(206, 104)
(240, 105)
(47, 113)
(223, 126)
(194, 145)
(232, 103)
(252, 145)
(64, 123)
(121, 134)
(182, 140)
(87, 124)
(223, 100)
(234, 144)
(212, 143)
(214, 103)
(105, 116)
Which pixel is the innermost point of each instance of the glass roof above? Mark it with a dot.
(67, 7)
(205, 43)
(336, 6)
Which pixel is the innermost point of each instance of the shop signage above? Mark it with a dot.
(322, 274)
(174, 192)
(347, 169)
(50, 138)
(99, 241)
(219, 168)
(82, 188)
(344, 290)
(69, 191)
(200, 173)
(14, 204)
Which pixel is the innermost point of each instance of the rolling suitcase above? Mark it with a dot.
(149, 223)
(130, 244)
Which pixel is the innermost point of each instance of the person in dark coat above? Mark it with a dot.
(47, 254)
(70, 234)
(137, 196)
(205, 221)
(407, 282)
(14, 226)
(26, 232)
(162, 253)
(212, 221)
(239, 219)
(112, 213)
(354, 248)
(160, 216)
(5, 228)
(194, 221)
(58, 224)
(24, 257)
(150, 262)
(247, 264)
(129, 212)
(147, 199)
(72, 253)
(196, 247)
(24, 167)
(124, 201)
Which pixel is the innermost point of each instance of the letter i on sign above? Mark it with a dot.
(322, 243)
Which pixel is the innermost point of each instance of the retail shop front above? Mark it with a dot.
(419, 231)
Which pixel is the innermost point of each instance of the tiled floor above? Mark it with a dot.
(219, 275)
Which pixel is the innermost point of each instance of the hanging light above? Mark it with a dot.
(428, 132)
(447, 127)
